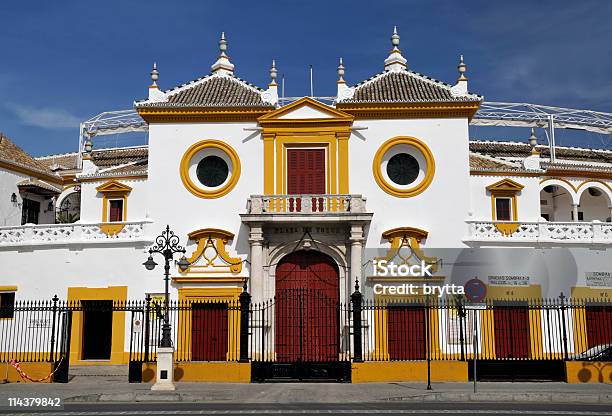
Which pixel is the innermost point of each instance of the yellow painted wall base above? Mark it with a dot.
(34, 370)
(224, 372)
(409, 371)
(588, 372)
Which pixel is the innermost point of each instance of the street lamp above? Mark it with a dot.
(166, 244)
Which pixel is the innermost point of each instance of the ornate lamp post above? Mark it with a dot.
(166, 244)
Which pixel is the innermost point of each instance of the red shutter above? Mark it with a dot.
(306, 171)
(512, 338)
(599, 325)
(116, 211)
(209, 331)
(406, 332)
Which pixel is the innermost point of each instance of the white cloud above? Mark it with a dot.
(45, 117)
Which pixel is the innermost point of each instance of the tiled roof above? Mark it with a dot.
(103, 158)
(212, 91)
(32, 182)
(483, 162)
(506, 149)
(12, 154)
(405, 87)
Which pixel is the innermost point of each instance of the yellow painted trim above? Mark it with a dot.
(112, 229)
(268, 163)
(114, 293)
(199, 191)
(219, 239)
(596, 181)
(30, 172)
(417, 233)
(409, 110)
(588, 372)
(506, 188)
(343, 162)
(118, 177)
(208, 279)
(113, 190)
(195, 294)
(211, 372)
(8, 288)
(390, 371)
(562, 180)
(34, 370)
(392, 189)
(335, 114)
(209, 114)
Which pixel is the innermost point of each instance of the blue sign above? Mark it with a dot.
(475, 290)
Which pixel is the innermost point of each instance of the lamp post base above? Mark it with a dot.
(165, 369)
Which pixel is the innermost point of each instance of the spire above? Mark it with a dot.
(461, 87)
(154, 76)
(462, 67)
(532, 161)
(273, 73)
(155, 94)
(341, 72)
(344, 91)
(223, 65)
(270, 95)
(395, 61)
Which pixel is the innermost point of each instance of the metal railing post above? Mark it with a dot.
(356, 300)
(562, 299)
(147, 319)
(52, 351)
(245, 304)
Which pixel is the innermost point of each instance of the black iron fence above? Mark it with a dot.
(307, 327)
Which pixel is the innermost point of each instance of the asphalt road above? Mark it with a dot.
(387, 408)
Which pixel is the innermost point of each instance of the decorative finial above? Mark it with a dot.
(154, 75)
(395, 61)
(340, 71)
(462, 67)
(273, 73)
(223, 64)
(222, 44)
(533, 140)
(395, 39)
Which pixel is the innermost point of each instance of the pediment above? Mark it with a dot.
(306, 109)
(113, 186)
(505, 185)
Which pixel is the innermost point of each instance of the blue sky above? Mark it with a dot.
(65, 61)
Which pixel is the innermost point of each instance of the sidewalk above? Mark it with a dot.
(116, 389)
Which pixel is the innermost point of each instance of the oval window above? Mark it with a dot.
(403, 169)
(212, 171)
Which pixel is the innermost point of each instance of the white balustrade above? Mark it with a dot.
(568, 232)
(46, 234)
(305, 204)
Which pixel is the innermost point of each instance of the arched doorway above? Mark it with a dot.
(307, 308)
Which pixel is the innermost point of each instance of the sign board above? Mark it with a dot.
(476, 306)
(598, 279)
(137, 325)
(475, 290)
(509, 280)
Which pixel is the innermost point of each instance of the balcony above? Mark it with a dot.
(52, 234)
(540, 232)
(326, 208)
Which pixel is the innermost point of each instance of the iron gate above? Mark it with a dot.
(301, 335)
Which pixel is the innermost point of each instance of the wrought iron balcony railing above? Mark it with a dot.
(45, 234)
(556, 232)
(305, 204)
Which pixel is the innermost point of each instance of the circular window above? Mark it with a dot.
(403, 166)
(210, 169)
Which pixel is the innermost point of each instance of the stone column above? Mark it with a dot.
(575, 211)
(356, 240)
(256, 278)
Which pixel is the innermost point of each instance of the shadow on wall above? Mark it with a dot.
(597, 372)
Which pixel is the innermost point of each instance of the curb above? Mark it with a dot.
(432, 397)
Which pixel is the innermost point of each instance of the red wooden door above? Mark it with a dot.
(512, 338)
(307, 308)
(406, 332)
(599, 325)
(209, 331)
(305, 171)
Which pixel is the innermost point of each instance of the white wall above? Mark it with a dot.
(137, 202)
(10, 213)
(528, 199)
(443, 207)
